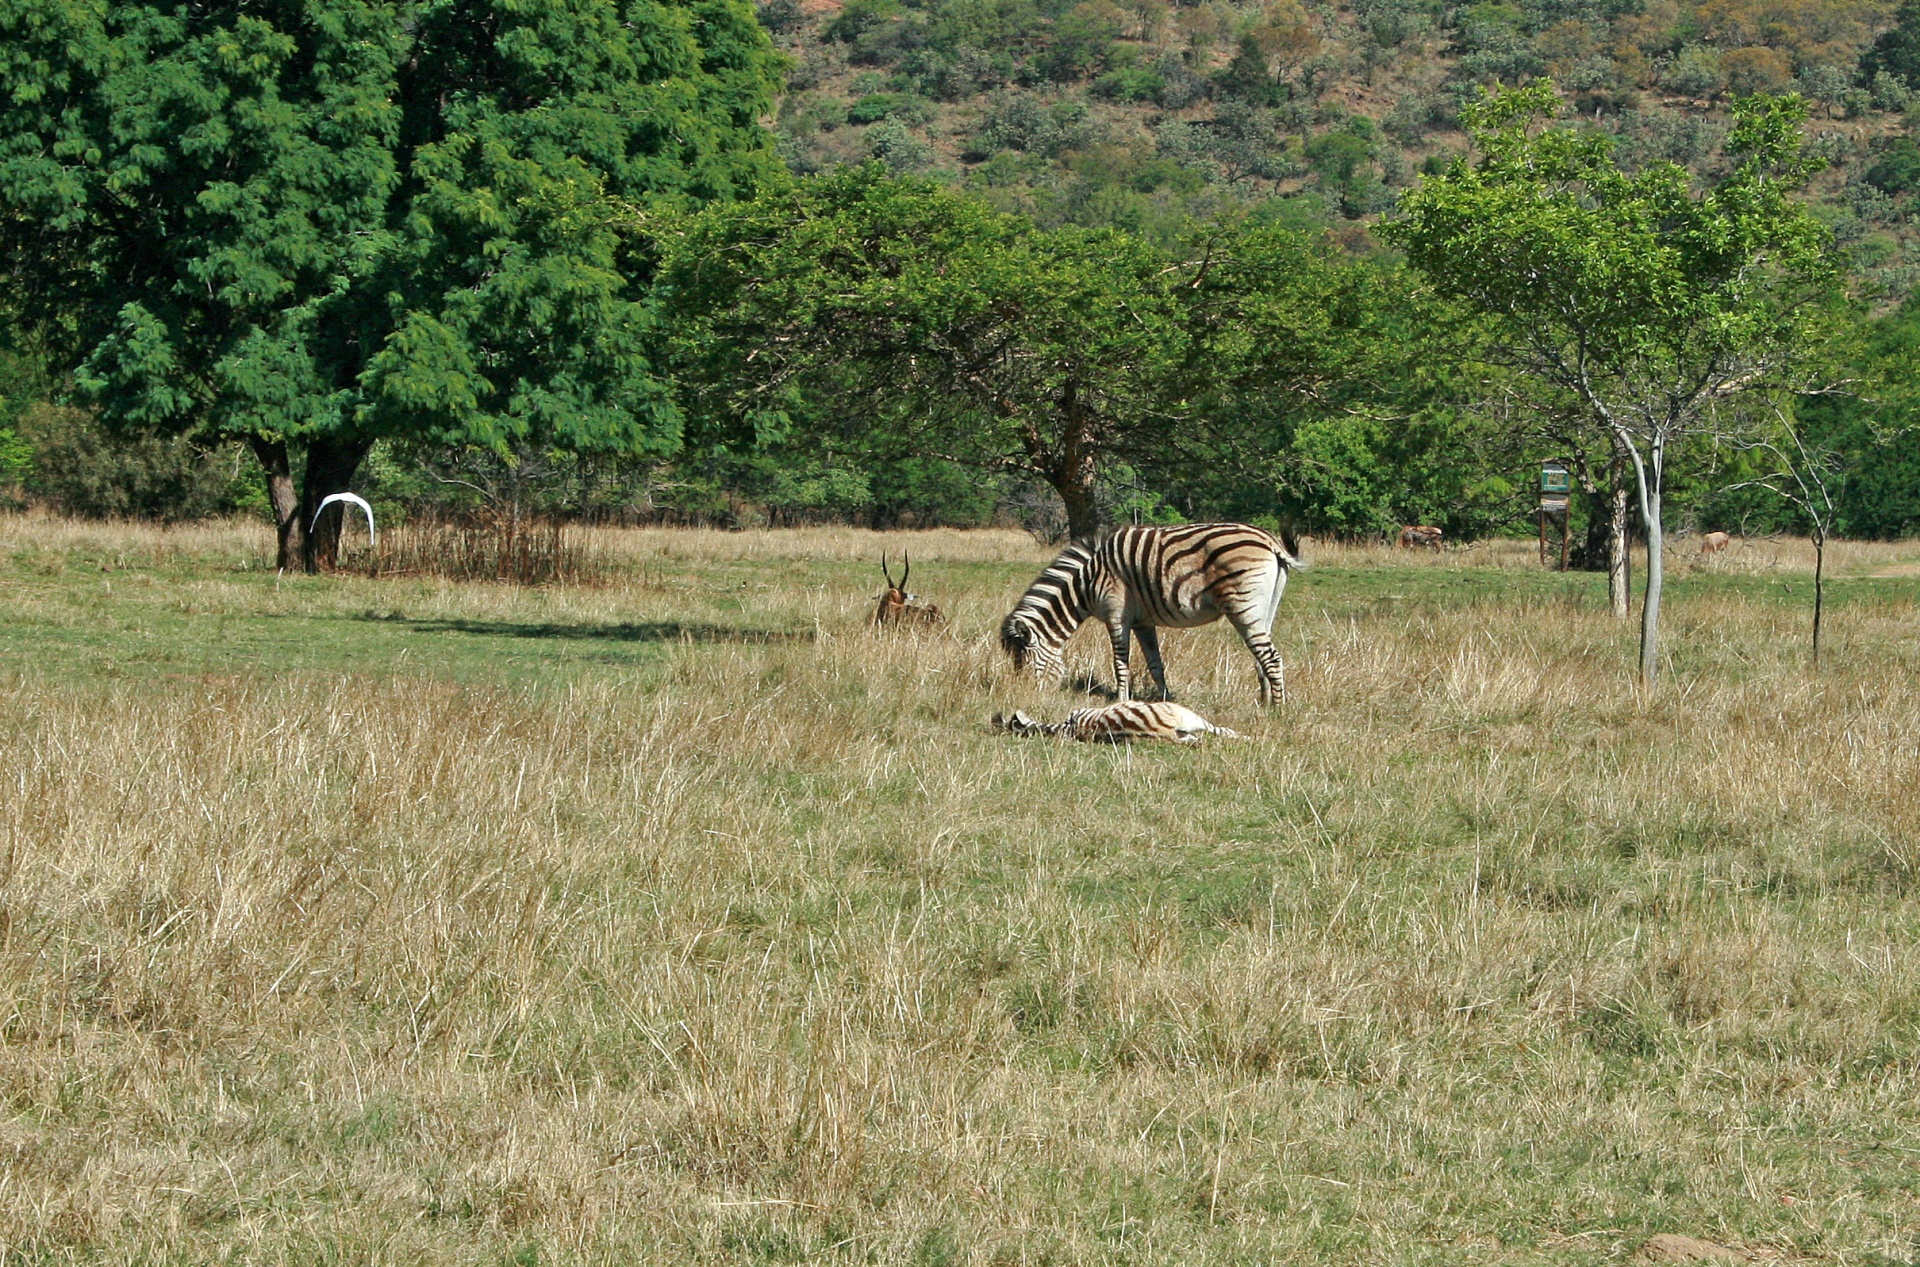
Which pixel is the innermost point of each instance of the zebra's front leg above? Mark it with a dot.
(1150, 643)
(1122, 636)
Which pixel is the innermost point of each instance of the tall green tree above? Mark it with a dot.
(921, 323)
(1636, 300)
(309, 224)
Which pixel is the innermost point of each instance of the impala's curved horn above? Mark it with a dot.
(350, 499)
(885, 573)
(906, 569)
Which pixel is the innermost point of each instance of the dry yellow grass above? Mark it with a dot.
(763, 949)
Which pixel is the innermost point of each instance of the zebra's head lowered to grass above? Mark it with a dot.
(1057, 603)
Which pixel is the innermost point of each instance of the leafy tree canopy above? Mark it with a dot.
(899, 314)
(1633, 300)
(318, 222)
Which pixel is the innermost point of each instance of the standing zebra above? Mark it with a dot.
(1149, 577)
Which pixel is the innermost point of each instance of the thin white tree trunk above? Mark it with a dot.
(1647, 471)
(1619, 541)
(1656, 580)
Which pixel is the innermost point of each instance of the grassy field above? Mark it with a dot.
(682, 918)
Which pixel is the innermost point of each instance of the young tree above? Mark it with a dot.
(1809, 462)
(308, 224)
(1636, 299)
(1809, 476)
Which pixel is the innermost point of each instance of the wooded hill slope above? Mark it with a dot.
(1141, 115)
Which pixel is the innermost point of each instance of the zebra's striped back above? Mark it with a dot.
(1120, 723)
(1189, 575)
(1143, 578)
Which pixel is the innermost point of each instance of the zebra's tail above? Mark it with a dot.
(1286, 548)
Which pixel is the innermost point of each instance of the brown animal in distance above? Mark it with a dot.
(1714, 542)
(1421, 535)
(898, 607)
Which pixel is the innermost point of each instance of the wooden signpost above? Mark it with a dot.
(1556, 488)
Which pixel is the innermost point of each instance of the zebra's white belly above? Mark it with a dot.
(1183, 619)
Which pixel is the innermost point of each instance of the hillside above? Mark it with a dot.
(1142, 115)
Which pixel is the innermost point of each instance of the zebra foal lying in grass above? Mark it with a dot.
(1143, 578)
(1118, 723)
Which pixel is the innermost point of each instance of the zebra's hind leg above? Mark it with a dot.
(1150, 643)
(1273, 671)
(1122, 636)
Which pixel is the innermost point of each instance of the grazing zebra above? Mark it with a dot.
(1149, 577)
(1118, 723)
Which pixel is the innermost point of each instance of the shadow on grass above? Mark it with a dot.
(647, 631)
(1087, 684)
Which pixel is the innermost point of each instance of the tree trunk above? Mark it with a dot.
(1819, 589)
(1647, 475)
(1073, 473)
(1656, 581)
(330, 468)
(281, 497)
(1083, 510)
(1619, 540)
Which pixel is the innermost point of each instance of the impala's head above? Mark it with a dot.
(896, 592)
(898, 605)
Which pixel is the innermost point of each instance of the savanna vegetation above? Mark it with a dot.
(677, 915)
(575, 876)
(499, 261)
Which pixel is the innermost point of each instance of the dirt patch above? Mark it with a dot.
(1670, 1247)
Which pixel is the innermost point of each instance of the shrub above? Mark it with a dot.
(780, 16)
(1179, 86)
(1083, 39)
(1898, 170)
(900, 149)
(83, 469)
(1337, 156)
(1756, 70)
(1019, 121)
(1129, 83)
(1890, 92)
(860, 16)
(1823, 84)
(1897, 52)
(905, 107)
(1695, 73)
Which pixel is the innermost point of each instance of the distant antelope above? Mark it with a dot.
(897, 606)
(1421, 535)
(1140, 578)
(1119, 723)
(1714, 542)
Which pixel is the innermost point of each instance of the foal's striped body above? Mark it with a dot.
(1119, 723)
(1149, 578)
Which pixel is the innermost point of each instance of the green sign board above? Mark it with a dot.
(1554, 478)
